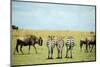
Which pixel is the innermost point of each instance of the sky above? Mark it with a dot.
(46, 16)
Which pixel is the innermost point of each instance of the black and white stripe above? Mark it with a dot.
(69, 46)
(70, 41)
(50, 45)
(60, 45)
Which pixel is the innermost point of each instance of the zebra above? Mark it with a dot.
(69, 46)
(50, 45)
(59, 45)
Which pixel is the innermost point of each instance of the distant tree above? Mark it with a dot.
(14, 27)
(91, 32)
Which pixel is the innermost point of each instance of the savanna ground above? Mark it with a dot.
(41, 57)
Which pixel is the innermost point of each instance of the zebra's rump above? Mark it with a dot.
(50, 43)
(60, 44)
(70, 42)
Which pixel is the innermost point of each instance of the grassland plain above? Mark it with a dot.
(41, 57)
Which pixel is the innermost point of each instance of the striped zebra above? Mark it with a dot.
(60, 45)
(50, 45)
(69, 46)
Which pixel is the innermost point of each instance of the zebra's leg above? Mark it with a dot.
(48, 53)
(35, 49)
(67, 53)
(21, 49)
(51, 53)
(71, 53)
(58, 54)
(61, 53)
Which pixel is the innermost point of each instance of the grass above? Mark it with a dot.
(41, 57)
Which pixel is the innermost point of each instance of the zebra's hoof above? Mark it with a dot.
(50, 58)
(59, 57)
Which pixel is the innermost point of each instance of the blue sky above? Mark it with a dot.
(43, 16)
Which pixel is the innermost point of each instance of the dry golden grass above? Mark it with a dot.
(41, 58)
